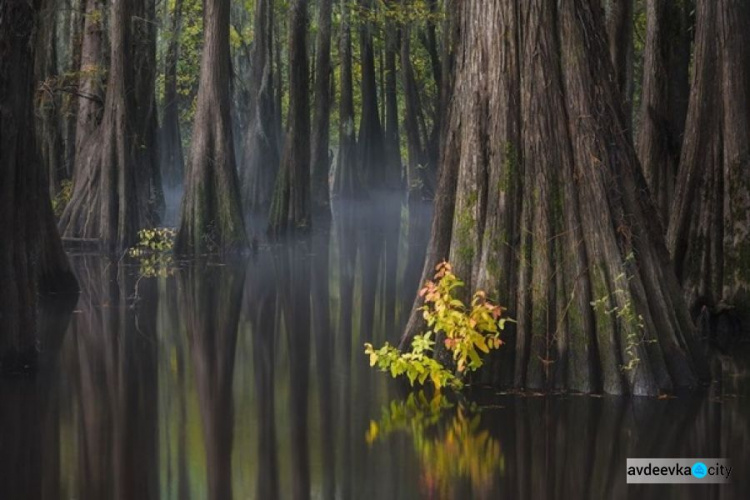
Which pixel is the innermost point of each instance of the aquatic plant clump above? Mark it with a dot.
(467, 332)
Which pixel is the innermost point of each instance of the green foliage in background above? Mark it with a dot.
(468, 332)
(154, 252)
(60, 201)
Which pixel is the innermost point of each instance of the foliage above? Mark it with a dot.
(466, 332)
(449, 449)
(154, 252)
(61, 199)
(619, 303)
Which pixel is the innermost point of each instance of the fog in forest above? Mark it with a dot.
(374, 249)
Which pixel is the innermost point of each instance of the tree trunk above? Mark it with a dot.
(320, 161)
(370, 142)
(32, 261)
(391, 138)
(430, 42)
(72, 37)
(664, 99)
(345, 180)
(90, 77)
(49, 133)
(541, 203)
(146, 120)
(290, 208)
(416, 170)
(172, 159)
(108, 203)
(261, 162)
(620, 32)
(211, 214)
(709, 229)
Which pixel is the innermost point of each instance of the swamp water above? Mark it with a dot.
(247, 379)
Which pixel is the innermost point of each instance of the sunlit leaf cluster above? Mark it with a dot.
(61, 199)
(467, 332)
(154, 252)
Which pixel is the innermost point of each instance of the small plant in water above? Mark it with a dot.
(154, 251)
(468, 332)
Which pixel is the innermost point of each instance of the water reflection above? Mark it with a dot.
(455, 452)
(248, 380)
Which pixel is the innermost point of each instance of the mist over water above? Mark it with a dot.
(172, 203)
(247, 379)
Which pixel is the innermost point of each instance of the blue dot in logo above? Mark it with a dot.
(699, 470)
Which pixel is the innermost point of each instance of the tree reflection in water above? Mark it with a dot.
(248, 380)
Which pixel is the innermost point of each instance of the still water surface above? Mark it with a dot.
(247, 379)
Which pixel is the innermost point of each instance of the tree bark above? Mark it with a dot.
(90, 76)
(109, 202)
(418, 181)
(542, 204)
(261, 162)
(709, 228)
(172, 159)
(72, 37)
(370, 142)
(320, 161)
(620, 32)
(211, 214)
(146, 120)
(48, 123)
(32, 261)
(345, 181)
(430, 42)
(391, 137)
(664, 99)
(290, 207)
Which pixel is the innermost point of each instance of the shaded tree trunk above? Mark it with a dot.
(620, 32)
(261, 162)
(109, 203)
(418, 181)
(709, 228)
(541, 202)
(48, 129)
(664, 99)
(32, 261)
(71, 37)
(345, 180)
(370, 142)
(320, 161)
(146, 120)
(290, 208)
(172, 159)
(211, 214)
(91, 71)
(391, 138)
(430, 42)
